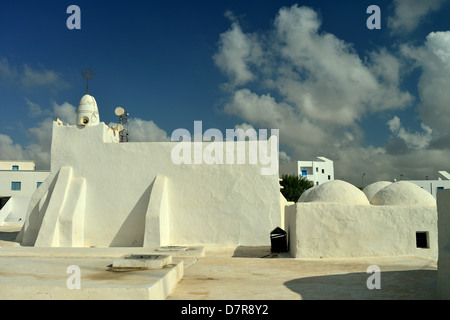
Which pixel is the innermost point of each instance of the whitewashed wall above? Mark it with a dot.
(344, 230)
(443, 278)
(216, 205)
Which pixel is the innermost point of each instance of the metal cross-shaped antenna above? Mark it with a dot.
(88, 74)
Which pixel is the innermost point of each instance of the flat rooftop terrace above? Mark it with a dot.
(242, 273)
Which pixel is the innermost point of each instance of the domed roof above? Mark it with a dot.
(87, 113)
(87, 104)
(403, 193)
(336, 191)
(373, 188)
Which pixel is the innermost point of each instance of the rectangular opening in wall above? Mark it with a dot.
(16, 186)
(422, 240)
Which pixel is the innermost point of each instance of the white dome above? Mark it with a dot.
(373, 188)
(403, 193)
(87, 113)
(336, 191)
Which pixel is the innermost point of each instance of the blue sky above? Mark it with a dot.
(374, 101)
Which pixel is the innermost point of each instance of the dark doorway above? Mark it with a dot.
(422, 240)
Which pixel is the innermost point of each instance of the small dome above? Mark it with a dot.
(88, 103)
(87, 113)
(403, 193)
(373, 188)
(336, 191)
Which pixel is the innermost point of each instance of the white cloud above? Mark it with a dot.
(414, 140)
(30, 77)
(145, 131)
(315, 88)
(434, 60)
(408, 14)
(7, 72)
(40, 136)
(33, 108)
(9, 150)
(236, 51)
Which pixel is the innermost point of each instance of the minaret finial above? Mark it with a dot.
(88, 74)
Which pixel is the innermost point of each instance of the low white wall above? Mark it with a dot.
(443, 278)
(340, 230)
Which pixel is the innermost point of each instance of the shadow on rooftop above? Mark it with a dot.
(8, 236)
(395, 285)
(257, 252)
(251, 252)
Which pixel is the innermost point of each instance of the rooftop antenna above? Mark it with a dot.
(123, 123)
(88, 74)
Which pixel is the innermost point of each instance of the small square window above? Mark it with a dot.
(38, 184)
(323, 171)
(16, 186)
(15, 168)
(422, 240)
(329, 177)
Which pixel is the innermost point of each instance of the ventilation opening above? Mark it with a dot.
(422, 240)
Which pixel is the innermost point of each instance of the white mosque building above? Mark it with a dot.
(102, 193)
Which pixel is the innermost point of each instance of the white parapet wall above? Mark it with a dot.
(443, 278)
(133, 195)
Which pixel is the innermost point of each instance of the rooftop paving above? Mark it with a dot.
(242, 273)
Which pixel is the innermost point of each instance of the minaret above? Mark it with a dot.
(87, 113)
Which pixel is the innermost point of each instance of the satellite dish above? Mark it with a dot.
(120, 111)
(119, 127)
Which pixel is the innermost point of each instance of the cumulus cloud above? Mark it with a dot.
(30, 77)
(408, 14)
(40, 135)
(33, 108)
(434, 60)
(317, 75)
(145, 131)
(7, 72)
(237, 51)
(414, 140)
(316, 89)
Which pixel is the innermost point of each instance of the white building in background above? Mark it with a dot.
(318, 171)
(18, 181)
(432, 186)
